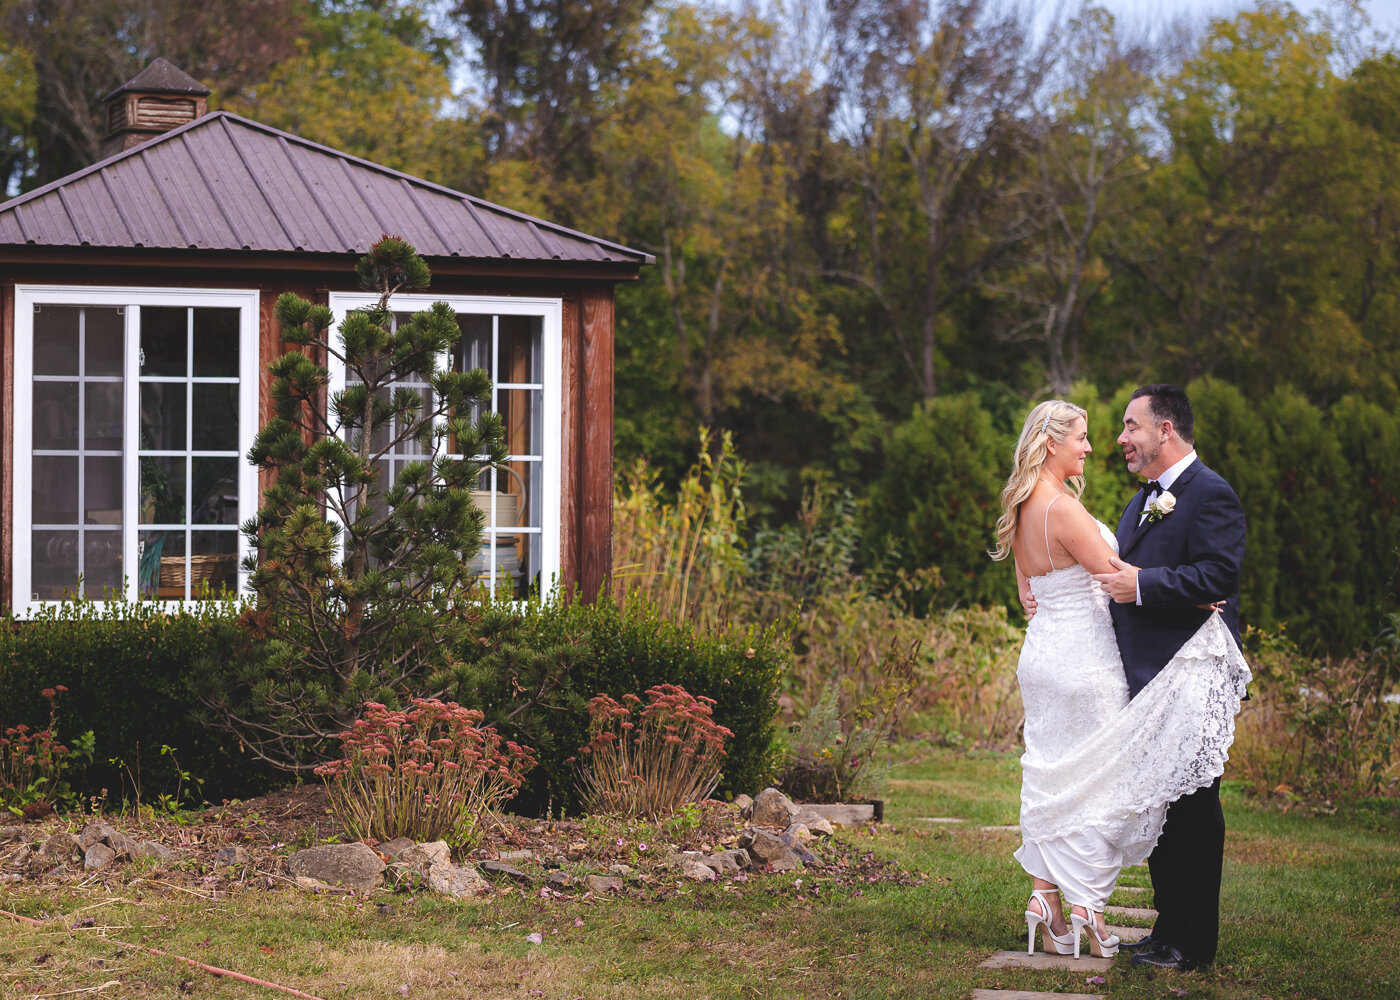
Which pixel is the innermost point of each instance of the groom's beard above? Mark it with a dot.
(1143, 459)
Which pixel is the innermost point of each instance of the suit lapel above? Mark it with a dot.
(1137, 530)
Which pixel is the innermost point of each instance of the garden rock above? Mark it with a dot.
(122, 844)
(558, 881)
(354, 866)
(152, 849)
(9, 833)
(796, 846)
(61, 845)
(728, 861)
(231, 856)
(620, 869)
(517, 855)
(694, 868)
(97, 857)
(844, 814)
(773, 808)
(603, 883)
(814, 821)
(94, 833)
(499, 869)
(768, 850)
(393, 848)
(456, 882)
(420, 856)
(743, 803)
(799, 833)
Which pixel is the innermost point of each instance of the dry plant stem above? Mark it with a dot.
(211, 969)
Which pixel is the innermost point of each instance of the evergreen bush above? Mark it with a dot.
(125, 666)
(535, 666)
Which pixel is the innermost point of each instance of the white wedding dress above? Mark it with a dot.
(1099, 770)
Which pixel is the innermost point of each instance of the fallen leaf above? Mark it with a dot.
(266, 950)
(536, 938)
(578, 921)
(1177, 991)
(404, 990)
(1095, 980)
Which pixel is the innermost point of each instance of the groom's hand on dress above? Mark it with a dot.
(1028, 602)
(1121, 584)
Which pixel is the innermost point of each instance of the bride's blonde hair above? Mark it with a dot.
(1049, 421)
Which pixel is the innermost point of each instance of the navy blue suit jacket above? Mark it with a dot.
(1189, 557)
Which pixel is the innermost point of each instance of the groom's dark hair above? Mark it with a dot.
(1169, 402)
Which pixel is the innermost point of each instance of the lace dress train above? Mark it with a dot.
(1099, 770)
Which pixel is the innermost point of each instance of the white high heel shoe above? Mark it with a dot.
(1101, 947)
(1060, 943)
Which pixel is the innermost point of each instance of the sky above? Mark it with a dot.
(1384, 14)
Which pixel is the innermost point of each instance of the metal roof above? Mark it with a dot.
(223, 182)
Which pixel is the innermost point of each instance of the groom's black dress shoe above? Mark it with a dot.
(1140, 947)
(1164, 957)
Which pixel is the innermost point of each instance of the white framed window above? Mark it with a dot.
(519, 341)
(134, 408)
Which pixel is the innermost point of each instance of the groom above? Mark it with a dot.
(1181, 546)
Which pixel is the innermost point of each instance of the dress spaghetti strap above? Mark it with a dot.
(1046, 530)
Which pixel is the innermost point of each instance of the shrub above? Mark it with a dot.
(1321, 730)
(601, 647)
(650, 759)
(836, 760)
(33, 763)
(126, 667)
(935, 503)
(428, 773)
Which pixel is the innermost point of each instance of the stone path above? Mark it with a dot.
(1086, 963)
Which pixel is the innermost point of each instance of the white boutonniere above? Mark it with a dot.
(1160, 506)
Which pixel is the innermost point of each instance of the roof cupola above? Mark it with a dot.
(158, 99)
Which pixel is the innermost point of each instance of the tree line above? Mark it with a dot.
(863, 209)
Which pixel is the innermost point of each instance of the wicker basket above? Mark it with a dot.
(202, 569)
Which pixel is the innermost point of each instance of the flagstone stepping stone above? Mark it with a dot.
(1002, 829)
(1129, 934)
(939, 819)
(1031, 995)
(1131, 912)
(1040, 960)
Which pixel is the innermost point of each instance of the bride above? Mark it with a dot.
(1099, 770)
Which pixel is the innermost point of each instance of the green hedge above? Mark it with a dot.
(1320, 489)
(535, 667)
(125, 669)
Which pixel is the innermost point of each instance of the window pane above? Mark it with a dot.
(162, 490)
(216, 343)
(55, 340)
(102, 489)
(213, 561)
(54, 490)
(164, 340)
(162, 566)
(103, 417)
(520, 412)
(215, 416)
(474, 349)
(102, 563)
(105, 330)
(56, 415)
(215, 490)
(519, 347)
(53, 564)
(163, 416)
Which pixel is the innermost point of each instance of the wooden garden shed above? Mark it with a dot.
(136, 324)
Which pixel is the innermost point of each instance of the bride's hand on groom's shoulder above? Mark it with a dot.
(1121, 583)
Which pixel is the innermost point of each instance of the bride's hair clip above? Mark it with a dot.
(1045, 423)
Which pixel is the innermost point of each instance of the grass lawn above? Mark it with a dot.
(1310, 908)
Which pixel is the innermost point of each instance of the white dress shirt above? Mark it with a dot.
(1165, 481)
